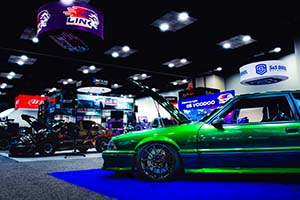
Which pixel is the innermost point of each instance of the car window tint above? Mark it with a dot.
(254, 110)
(87, 124)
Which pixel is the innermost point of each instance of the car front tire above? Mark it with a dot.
(101, 144)
(158, 162)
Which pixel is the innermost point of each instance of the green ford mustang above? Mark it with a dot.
(250, 133)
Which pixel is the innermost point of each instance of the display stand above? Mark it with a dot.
(74, 132)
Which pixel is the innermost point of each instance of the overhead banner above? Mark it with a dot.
(89, 102)
(29, 101)
(263, 72)
(70, 26)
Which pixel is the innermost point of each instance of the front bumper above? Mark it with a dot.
(118, 160)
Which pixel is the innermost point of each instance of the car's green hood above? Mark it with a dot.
(172, 134)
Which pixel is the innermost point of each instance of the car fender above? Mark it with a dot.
(157, 139)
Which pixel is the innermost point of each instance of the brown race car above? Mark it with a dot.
(60, 136)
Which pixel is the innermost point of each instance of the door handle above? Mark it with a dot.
(292, 130)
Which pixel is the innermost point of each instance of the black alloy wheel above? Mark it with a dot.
(101, 144)
(47, 149)
(158, 162)
(4, 143)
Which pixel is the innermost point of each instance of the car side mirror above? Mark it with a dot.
(218, 123)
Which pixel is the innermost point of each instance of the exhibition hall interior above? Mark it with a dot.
(149, 100)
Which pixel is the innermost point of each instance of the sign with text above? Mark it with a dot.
(70, 26)
(29, 101)
(263, 72)
(104, 102)
(196, 107)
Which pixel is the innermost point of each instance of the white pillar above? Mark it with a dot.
(210, 81)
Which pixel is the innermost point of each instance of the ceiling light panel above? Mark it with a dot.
(173, 21)
(116, 86)
(89, 69)
(67, 81)
(10, 75)
(3, 93)
(178, 62)
(5, 86)
(21, 60)
(28, 34)
(236, 42)
(179, 82)
(139, 77)
(118, 51)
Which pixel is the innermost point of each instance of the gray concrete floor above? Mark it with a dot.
(22, 180)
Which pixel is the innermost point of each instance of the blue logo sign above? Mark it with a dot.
(211, 100)
(261, 69)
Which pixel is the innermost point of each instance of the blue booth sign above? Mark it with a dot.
(196, 107)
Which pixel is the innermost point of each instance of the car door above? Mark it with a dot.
(257, 131)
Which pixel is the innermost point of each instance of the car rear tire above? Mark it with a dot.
(158, 162)
(47, 149)
(101, 144)
(4, 143)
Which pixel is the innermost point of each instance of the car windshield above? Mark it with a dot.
(205, 117)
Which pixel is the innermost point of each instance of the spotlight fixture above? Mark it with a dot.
(275, 50)
(218, 69)
(139, 76)
(237, 41)
(125, 48)
(178, 62)
(118, 51)
(89, 69)
(35, 39)
(164, 26)
(115, 54)
(173, 21)
(21, 60)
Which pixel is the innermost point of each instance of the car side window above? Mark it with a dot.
(297, 100)
(257, 110)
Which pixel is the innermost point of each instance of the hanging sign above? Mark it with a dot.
(263, 72)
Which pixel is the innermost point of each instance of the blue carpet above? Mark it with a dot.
(192, 187)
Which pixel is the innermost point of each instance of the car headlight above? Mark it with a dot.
(111, 145)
